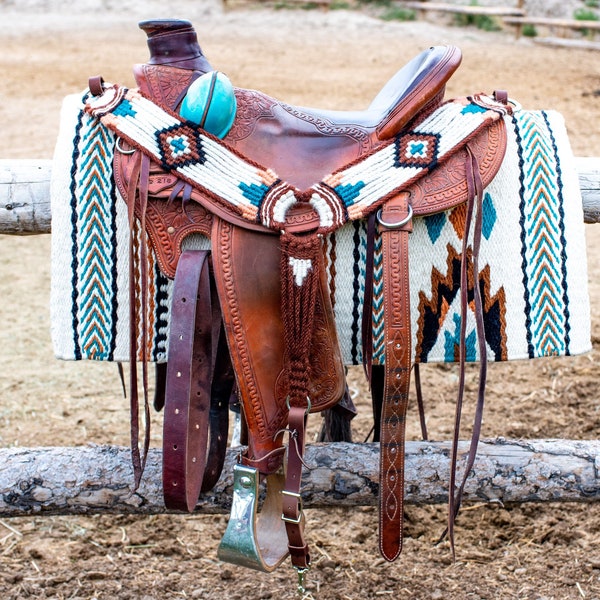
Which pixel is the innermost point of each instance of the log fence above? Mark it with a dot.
(97, 479)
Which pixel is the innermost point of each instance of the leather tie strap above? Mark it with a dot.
(474, 204)
(292, 513)
(139, 179)
(395, 222)
(188, 389)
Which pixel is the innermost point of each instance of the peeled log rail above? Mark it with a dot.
(97, 479)
(472, 9)
(25, 194)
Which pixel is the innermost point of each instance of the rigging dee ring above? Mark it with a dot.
(121, 149)
(397, 225)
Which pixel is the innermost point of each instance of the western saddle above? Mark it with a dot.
(252, 317)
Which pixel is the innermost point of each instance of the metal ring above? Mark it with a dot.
(308, 407)
(120, 149)
(399, 223)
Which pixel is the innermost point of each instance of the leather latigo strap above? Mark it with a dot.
(189, 444)
(292, 513)
(448, 186)
(395, 225)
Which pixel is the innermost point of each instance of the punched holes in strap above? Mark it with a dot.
(188, 387)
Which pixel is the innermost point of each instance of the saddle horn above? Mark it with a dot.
(174, 42)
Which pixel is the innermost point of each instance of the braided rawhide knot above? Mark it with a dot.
(299, 287)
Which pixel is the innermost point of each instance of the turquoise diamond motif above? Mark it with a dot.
(125, 109)
(435, 225)
(418, 149)
(414, 149)
(179, 145)
(490, 216)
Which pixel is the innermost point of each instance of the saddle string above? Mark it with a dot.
(293, 437)
(474, 204)
(420, 401)
(145, 278)
(480, 329)
(367, 315)
(184, 190)
(140, 169)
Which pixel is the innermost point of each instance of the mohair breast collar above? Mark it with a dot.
(256, 193)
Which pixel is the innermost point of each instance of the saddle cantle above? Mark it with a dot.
(409, 153)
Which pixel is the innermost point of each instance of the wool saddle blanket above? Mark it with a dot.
(532, 260)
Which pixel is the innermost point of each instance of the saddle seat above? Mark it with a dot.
(396, 103)
(304, 144)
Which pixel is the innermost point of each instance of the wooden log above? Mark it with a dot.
(588, 169)
(559, 42)
(559, 27)
(552, 22)
(97, 479)
(444, 7)
(25, 194)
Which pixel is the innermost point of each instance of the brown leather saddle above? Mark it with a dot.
(236, 311)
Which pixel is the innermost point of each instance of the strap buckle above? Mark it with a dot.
(300, 511)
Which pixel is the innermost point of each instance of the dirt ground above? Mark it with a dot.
(336, 59)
